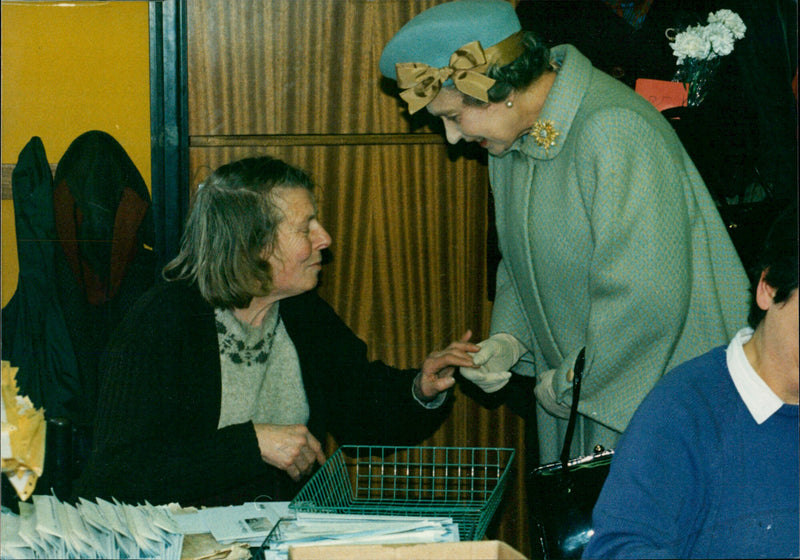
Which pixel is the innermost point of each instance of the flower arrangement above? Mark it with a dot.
(698, 49)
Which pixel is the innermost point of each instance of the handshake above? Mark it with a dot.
(494, 360)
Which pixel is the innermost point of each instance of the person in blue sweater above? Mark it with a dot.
(708, 467)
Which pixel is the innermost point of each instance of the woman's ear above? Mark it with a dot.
(765, 294)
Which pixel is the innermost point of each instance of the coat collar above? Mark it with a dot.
(570, 86)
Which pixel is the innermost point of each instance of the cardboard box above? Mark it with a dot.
(468, 550)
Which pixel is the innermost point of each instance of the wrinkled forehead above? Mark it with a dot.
(294, 202)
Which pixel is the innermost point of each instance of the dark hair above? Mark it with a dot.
(778, 260)
(519, 73)
(233, 220)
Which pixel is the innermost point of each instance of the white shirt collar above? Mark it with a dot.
(761, 401)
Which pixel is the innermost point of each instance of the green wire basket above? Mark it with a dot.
(465, 483)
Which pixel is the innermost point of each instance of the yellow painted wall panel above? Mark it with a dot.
(70, 67)
(10, 268)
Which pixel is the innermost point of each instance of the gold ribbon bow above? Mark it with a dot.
(421, 83)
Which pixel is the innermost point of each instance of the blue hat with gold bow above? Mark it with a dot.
(455, 42)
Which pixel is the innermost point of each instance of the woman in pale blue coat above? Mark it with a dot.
(610, 240)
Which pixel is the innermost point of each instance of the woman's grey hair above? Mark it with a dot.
(232, 224)
(519, 73)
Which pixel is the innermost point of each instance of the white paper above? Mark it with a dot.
(12, 545)
(46, 518)
(49, 528)
(250, 522)
(321, 529)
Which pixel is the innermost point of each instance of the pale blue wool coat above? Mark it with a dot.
(610, 240)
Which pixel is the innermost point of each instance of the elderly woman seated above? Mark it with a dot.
(223, 380)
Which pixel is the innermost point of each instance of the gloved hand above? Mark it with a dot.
(497, 355)
(546, 394)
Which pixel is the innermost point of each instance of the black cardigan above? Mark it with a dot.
(156, 435)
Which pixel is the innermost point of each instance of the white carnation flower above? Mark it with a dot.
(729, 19)
(720, 38)
(691, 43)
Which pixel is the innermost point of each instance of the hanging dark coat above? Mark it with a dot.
(104, 226)
(34, 333)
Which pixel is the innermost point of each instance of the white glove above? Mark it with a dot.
(546, 395)
(497, 355)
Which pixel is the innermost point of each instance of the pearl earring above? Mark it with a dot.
(509, 104)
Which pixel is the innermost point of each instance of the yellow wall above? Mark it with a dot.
(70, 67)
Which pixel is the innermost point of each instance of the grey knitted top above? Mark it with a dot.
(261, 380)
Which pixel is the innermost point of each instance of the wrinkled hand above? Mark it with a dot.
(290, 448)
(438, 368)
(495, 358)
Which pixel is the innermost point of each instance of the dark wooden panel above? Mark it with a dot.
(293, 67)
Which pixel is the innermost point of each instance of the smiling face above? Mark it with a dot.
(297, 259)
(494, 126)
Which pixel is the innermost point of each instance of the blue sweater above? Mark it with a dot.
(694, 475)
